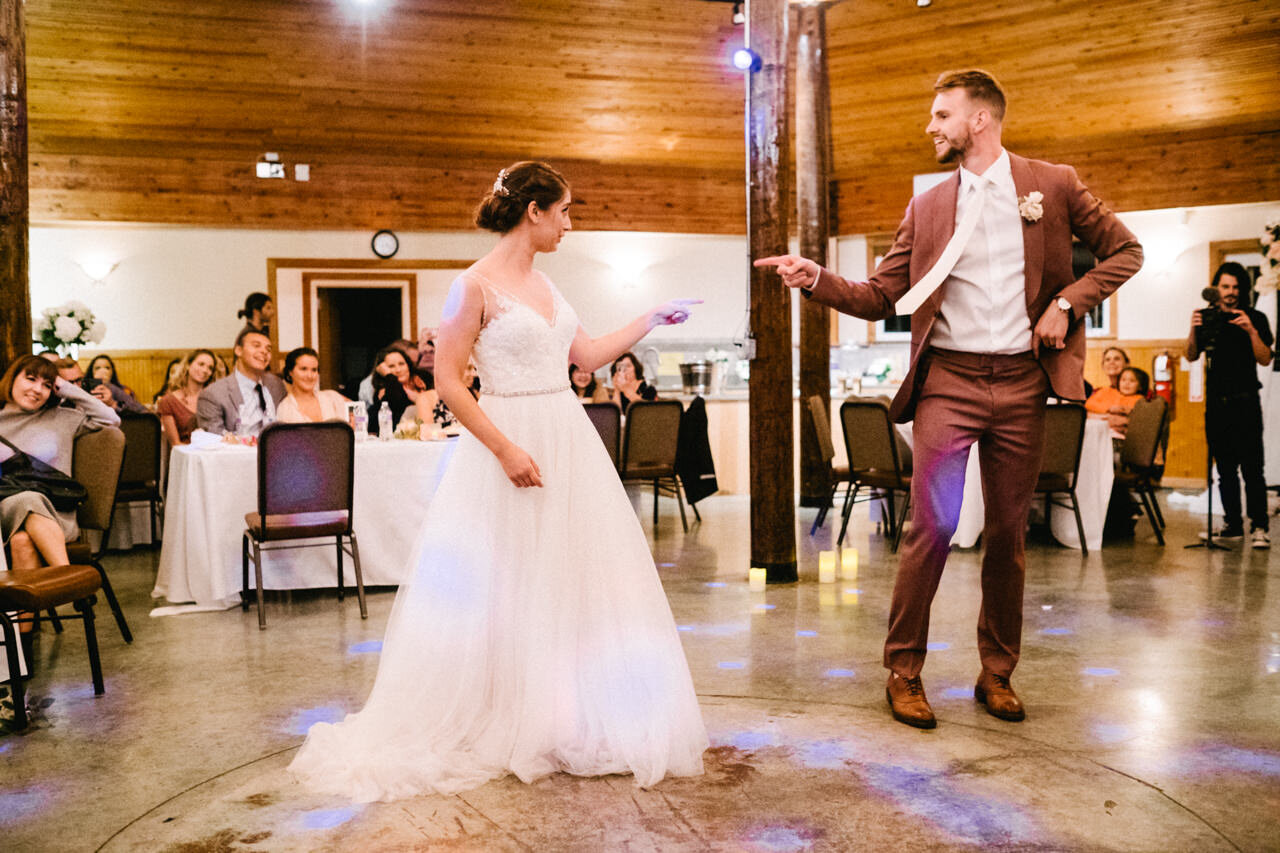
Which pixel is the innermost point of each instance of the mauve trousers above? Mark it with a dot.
(997, 401)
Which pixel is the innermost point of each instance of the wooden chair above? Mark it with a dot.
(306, 483)
(820, 421)
(649, 450)
(140, 474)
(607, 419)
(47, 588)
(1139, 471)
(96, 462)
(878, 459)
(1060, 466)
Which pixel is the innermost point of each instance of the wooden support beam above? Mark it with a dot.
(772, 442)
(15, 296)
(813, 181)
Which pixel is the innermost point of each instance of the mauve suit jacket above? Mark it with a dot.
(1069, 209)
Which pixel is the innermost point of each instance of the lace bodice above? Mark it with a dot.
(518, 351)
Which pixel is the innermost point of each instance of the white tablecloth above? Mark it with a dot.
(210, 491)
(1093, 491)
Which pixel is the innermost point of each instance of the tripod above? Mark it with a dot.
(1208, 544)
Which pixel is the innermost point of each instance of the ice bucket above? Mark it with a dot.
(696, 377)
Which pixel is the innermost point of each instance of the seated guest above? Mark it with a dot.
(171, 371)
(245, 402)
(305, 402)
(628, 382)
(396, 384)
(103, 383)
(426, 366)
(32, 420)
(584, 384)
(1114, 404)
(258, 312)
(69, 370)
(1114, 360)
(177, 408)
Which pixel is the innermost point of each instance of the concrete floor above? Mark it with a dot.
(1151, 677)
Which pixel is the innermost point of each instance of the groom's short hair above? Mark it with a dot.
(978, 85)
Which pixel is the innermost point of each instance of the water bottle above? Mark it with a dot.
(384, 422)
(361, 423)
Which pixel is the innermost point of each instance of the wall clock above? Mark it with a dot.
(385, 243)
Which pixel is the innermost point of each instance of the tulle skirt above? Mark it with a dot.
(533, 637)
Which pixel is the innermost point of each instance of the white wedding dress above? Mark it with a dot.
(534, 635)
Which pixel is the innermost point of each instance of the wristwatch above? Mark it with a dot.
(1062, 303)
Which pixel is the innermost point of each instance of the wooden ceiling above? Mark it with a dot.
(157, 110)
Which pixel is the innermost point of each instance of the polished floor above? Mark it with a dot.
(1151, 677)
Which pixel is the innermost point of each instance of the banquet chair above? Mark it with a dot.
(46, 588)
(96, 462)
(879, 459)
(306, 484)
(1060, 466)
(1139, 471)
(836, 474)
(140, 476)
(649, 446)
(607, 419)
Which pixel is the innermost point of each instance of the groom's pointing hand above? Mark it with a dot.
(794, 270)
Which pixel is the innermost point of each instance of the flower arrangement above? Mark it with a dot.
(67, 327)
(1270, 275)
(1030, 206)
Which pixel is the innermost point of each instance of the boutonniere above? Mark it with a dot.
(1030, 207)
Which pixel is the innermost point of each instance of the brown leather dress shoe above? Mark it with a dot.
(995, 692)
(908, 702)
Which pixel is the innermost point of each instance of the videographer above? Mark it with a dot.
(1235, 340)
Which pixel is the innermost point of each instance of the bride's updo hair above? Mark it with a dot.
(504, 205)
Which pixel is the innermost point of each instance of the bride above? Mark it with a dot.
(520, 645)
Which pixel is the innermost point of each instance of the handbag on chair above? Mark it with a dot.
(24, 473)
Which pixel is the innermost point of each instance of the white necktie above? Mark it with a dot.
(924, 288)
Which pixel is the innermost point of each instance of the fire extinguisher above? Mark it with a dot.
(1162, 380)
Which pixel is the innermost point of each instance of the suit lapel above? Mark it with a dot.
(943, 217)
(1024, 182)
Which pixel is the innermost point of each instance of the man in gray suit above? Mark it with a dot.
(244, 402)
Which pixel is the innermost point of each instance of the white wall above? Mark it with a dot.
(181, 287)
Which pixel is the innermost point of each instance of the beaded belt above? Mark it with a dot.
(555, 390)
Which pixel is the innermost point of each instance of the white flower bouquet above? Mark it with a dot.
(67, 327)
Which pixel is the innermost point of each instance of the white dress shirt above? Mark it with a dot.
(252, 417)
(984, 303)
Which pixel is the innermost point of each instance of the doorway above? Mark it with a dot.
(353, 324)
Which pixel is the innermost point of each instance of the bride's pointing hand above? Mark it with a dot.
(672, 313)
(520, 468)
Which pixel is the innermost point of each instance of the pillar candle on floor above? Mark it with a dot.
(849, 563)
(756, 579)
(827, 567)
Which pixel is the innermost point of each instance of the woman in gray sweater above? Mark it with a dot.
(32, 419)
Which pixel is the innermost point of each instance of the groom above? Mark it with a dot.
(1004, 329)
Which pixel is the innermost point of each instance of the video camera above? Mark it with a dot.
(1212, 319)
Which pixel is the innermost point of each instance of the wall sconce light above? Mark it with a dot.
(269, 166)
(746, 59)
(98, 270)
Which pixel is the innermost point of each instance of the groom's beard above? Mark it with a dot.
(955, 150)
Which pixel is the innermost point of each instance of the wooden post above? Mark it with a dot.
(772, 442)
(15, 297)
(813, 169)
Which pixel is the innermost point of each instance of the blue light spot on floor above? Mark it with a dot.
(364, 648)
(303, 720)
(726, 629)
(806, 633)
(975, 819)
(839, 673)
(684, 627)
(4, 747)
(731, 664)
(826, 754)
(780, 839)
(1057, 632)
(1100, 671)
(958, 693)
(766, 606)
(22, 803)
(715, 584)
(1110, 732)
(1233, 759)
(752, 740)
(938, 647)
(328, 818)
(666, 565)
(854, 591)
